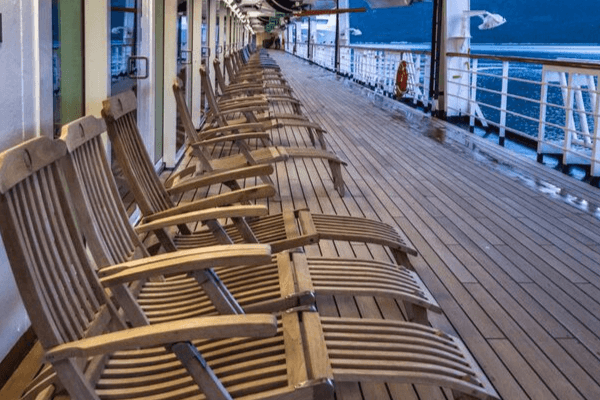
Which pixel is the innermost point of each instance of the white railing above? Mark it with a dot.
(324, 55)
(376, 68)
(301, 50)
(553, 103)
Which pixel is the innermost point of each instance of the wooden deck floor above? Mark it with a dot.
(515, 269)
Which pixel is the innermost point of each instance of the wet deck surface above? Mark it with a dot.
(509, 248)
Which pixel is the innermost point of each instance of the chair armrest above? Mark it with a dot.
(245, 108)
(277, 86)
(233, 137)
(184, 261)
(211, 178)
(289, 99)
(246, 125)
(236, 101)
(202, 215)
(242, 105)
(237, 89)
(219, 200)
(218, 327)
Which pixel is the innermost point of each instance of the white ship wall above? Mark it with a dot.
(25, 112)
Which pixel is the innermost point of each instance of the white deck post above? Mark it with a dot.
(503, 102)
(170, 72)
(542, 125)
(457, 41)
(196, 63)
(223, 21)
(146, 88)
(581, 111)
(595, 161)
(473, 95)
(211, 37)
(569, 124)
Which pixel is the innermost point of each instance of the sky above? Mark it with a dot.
(528, 21)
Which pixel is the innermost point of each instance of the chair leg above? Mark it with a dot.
(321, 136)
(401, 258)
(338, 179)
(416, 314)
(311, 135)
(202, 374)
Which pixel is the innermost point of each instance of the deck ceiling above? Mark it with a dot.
(259, 11)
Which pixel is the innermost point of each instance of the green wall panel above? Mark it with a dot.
(71, 59)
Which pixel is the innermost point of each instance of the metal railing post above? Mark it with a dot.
(568, 121)
(542, 122)
(503, 102)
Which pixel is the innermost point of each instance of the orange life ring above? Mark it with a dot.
(401, 79)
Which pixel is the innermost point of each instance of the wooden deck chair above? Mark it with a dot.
(93, 354)
(112, 240)
(254, 111)
(246, 60)
(262, 69)
(242, 90)
(95, 357)
(272, 154)
(219, 117)
(282, 231)
(243, 61)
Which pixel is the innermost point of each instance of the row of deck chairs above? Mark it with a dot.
(223, 311)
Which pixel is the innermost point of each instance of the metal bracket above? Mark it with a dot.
(205, 51)
(188, 57)
(303, 308)
(131, 67)
(314, 382)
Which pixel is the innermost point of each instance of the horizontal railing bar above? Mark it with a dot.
(513, 130)
(528, 60)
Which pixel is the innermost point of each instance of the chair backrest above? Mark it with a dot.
(222, 85)
(229, 66)
(119, 112)
(210, 96)
(188, 126)
(59, 288)
(104, 221)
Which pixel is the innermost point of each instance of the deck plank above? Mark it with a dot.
(515, 270)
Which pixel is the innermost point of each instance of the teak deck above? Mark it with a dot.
(515, 271)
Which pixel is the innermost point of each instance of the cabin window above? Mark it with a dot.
(124, 22)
